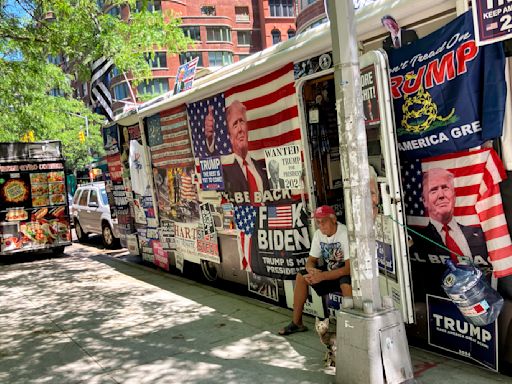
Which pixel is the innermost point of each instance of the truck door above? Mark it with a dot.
(391, 236)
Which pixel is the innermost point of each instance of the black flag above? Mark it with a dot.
(100, 93)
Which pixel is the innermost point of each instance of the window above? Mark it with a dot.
(276, 36)
(241, 14)
(114, 11)
(77, 196)
(218, 34)
(291, 33)
(281, 8)
(156, 59)
(56, 92)
(244, 37)
(54, 59)
(115, 72)
(220, 58)
(151, 6)
(93, 198)
(208, 10)
(187, 56)
(242, 56)
(83, 198)
(153, 87)
(121, 91)
(104, 197)
(192, 32)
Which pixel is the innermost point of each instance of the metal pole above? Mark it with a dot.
(354, 156)
(371, 340)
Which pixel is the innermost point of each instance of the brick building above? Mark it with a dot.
(226, 31)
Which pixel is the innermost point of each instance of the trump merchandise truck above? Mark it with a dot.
(224, 176)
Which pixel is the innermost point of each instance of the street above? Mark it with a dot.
(89, 317)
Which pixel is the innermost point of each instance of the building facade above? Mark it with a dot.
(225, 31)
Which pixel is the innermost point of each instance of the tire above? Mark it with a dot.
(80, 234)
(107, 235)
(58, 251)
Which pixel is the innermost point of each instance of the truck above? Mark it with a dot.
(173, 184)
(34, 209)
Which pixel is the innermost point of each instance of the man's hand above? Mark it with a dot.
(314, 276)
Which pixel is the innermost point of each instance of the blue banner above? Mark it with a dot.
(447, 329)
(448, 93)
(211, 174)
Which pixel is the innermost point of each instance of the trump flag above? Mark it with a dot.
(477, 175)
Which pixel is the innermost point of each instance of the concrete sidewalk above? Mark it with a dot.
(90, 318)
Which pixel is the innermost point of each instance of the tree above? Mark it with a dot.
(36, 94)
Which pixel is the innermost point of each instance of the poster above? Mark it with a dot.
(284, 167)
(448, 93)
(314, 305)
(263, 286)
(161, 258)
(275, 239)
(166, 235)
(185, 235)
(448, 330)
(370, 97)
(207, 240)
(211, 174)
(111, 140)
(493, 21)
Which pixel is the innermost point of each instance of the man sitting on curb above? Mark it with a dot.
(327, 267)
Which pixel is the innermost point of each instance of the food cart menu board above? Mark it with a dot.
(33, 211)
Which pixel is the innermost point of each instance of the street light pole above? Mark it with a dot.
(86, 122)
(370, 336)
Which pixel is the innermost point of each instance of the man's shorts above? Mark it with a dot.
(329, 286)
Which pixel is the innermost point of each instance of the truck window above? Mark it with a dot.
(83, 197)
(77, 196)
(93, 198)
(104, 197)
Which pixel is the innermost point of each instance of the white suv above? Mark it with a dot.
(91, 214)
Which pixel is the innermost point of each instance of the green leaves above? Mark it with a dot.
(78, 32)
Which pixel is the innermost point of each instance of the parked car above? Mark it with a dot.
(91, 214)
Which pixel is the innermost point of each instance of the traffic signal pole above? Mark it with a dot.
(371, 342)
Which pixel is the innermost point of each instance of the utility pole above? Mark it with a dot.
(371, 338)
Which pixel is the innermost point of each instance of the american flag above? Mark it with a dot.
(478, 202)
(187, 189)
(175, 151)
(279, 217)
(197, 112)
(245, 220)
(272, 112)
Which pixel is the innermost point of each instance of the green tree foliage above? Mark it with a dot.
(36, 95)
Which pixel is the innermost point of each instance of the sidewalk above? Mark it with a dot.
(91, 318)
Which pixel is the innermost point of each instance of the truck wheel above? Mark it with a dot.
(58, 251)
(80, 234)
(108, 237)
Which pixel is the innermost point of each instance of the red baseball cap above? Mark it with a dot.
(323, 211)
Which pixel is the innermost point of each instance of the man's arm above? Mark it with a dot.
(317, 276)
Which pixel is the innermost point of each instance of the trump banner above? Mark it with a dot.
(448, 93)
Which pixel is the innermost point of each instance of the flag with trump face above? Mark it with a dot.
(204, 115)
(478, 203)
(272, 113)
